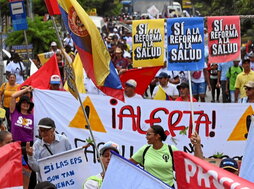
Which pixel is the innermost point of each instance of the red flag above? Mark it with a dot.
(11, 166)
(193, 172)
(52, 7)
(41, 78)
(142, 76)
(224, 38)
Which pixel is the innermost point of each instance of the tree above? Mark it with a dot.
(39, 33)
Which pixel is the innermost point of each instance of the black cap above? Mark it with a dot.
(183, 85)
(46, 123)
(229, 164)
(163, 75)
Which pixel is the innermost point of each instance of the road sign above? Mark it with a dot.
(18, 15)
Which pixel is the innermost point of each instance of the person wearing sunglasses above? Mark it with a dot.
(249, 88)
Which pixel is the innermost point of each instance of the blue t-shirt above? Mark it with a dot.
(223, 68)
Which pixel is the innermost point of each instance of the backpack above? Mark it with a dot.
(170, 151)
(229, 70)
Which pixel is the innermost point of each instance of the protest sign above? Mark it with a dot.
(224, 38)
(148, 43)
(120, 168)
(65, 170)
(193, 172)
(126, 123)
(185, 44)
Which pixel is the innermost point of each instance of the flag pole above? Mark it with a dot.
(191, 104)
(88, 126)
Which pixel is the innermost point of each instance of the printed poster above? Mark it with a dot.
(185, 44)
(224, 41)
(65, 170)
(148, 43)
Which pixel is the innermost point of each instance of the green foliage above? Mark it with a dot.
(39, 33)
(218, 155)
(5, 9)
(184, 132)
(39, 7)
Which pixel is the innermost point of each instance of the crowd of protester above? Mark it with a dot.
(233, 80)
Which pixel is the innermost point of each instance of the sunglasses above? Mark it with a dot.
(248, 88)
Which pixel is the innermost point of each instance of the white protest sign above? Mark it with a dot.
(222, 127)
(65, 170)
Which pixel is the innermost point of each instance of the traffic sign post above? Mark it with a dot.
(18, 15)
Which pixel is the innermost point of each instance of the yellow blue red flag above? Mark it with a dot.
(161, 95)
(92, 50)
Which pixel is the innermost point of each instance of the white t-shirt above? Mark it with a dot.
(198, 76)
(137, 96)
(170, 89)
(15, 68)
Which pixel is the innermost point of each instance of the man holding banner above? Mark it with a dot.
(49, 144)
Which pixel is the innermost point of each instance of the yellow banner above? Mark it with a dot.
(44, 57)
(186, 4)
(148, 43)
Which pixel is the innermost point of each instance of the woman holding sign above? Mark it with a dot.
(157, 157)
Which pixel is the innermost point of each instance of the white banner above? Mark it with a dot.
(222, 127)
(65, 170)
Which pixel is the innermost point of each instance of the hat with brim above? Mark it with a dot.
(46, 123)
(182, 85)
(249, 84)
(109, 145)
(131, 83)
(229, 163)
(118, 50)
(55, 80)
(163, 75)
(27, 100)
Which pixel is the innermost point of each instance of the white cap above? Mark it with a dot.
(131, 83)
(53, 43)
(55, 79)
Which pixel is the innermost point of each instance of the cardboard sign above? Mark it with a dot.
(65, 170)
(148, 43)
(185, 44)
(224, 38)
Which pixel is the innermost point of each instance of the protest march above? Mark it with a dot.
(156, 100)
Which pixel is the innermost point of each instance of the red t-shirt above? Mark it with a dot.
(181, 99)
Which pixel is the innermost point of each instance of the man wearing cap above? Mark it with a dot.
(242, 79)
(249, 88)
(55, 82)
(119, 61)
(129, 90)
(50, 143)
(184, 93)
(169, 88)
(53, 47)
(231, 75)
(230, 165)
(95, 182)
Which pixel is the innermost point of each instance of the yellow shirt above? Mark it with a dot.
(241, 80)
(7, 90)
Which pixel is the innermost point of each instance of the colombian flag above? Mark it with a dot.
(161, 95)
(92, 50)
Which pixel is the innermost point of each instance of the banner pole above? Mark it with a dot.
(191, 104)
(69, 61)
